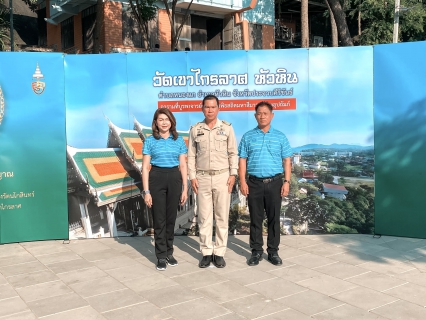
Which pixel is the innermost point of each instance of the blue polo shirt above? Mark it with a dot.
(164, 152)
(264, 152)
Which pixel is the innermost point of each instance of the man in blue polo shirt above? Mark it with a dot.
(264, 155)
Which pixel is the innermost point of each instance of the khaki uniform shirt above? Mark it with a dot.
(212, 149)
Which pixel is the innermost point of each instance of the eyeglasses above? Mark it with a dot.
(163, 120)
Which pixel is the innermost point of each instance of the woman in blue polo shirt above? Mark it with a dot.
(166, 184)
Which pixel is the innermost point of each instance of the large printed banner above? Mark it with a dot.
(33, 181)
(88, 185)
(322, 100)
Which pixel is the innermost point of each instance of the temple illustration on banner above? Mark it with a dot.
(104, 188)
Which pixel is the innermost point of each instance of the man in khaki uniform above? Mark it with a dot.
(213, 165)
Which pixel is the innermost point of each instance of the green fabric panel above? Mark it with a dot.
(400, 147)
(33, 201)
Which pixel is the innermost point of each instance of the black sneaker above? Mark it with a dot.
(205, 262)
(171, 261)
(162, 264)
(255, 258)
(275, 259)
(219, 262)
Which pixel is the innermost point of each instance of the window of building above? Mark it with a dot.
(88, 22)
(67, 33)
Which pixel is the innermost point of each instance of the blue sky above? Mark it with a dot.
(334, 92)
(341, 95)
(96, 88)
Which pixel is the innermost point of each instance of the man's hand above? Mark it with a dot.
(244, 188)
(230, 183)
(194, 184)
(285, 189)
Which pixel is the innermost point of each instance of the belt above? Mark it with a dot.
(157, 167)
(267, 180)
(211, 172)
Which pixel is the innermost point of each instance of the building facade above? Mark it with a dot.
(70, 26)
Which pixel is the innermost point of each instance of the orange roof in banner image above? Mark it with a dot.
(105, 169)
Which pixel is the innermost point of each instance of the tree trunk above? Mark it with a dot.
(145, 36)
(176, 31)
(359, 22)
(143, 25)
(342, 27)
(334, 35)
(305, 24)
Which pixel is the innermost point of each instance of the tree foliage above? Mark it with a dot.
(355, 214)
(325, 177)
(298, 170)
(170, 6)
(306, 211)
(144, 11)
(294, 185)
(4, 25)
(377, 18)
(32, 4)
(337, 228)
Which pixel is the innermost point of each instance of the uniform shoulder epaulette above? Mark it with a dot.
(195, 125)
(226, 122)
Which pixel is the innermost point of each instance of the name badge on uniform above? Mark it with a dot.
(200, 133)
(221, 133)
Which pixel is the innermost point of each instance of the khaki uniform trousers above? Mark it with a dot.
(213, 201)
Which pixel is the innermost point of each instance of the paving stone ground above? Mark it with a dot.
(322, 277)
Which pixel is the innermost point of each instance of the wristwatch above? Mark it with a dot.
(286, 181)
(144, 192)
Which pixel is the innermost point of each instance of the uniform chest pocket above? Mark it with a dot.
(221, 143)
(201, 143)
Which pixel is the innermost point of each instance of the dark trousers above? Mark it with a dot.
(264, 197)
(165, 185)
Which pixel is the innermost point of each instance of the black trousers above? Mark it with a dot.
(264, 197)
(165, 185)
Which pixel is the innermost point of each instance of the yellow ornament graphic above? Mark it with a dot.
(2, 105)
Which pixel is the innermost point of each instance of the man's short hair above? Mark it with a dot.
(211, 97)
(264, 104)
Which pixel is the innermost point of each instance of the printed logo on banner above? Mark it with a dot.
(2, 105)
(38, 85)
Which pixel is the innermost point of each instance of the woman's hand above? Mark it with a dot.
(148, 200)
(184, 196)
